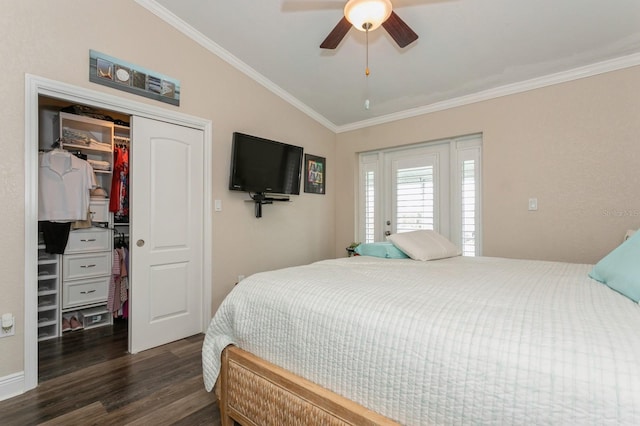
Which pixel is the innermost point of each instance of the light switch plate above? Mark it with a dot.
(217, 205)
(533, 204)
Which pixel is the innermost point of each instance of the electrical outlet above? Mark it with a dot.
(240, 278)
(9, 330)
(533, 204)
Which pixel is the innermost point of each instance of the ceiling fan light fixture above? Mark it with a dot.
(367, 14)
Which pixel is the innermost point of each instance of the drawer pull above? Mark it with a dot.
(88, 240)
(87, 292)
(88, 266)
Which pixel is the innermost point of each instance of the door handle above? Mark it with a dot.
(140, 243)
(387, 233)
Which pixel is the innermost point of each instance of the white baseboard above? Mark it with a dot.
(11, 385)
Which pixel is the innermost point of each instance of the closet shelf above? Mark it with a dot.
(52, 306)
(86, 148)
(47, 277)
(101, 305)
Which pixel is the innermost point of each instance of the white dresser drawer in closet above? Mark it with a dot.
(84, 292)
(76, 266)
(90, 239)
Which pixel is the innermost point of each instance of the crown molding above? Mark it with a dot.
(170, 18)
(497, 92)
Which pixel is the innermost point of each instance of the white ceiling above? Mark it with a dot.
(468, 50)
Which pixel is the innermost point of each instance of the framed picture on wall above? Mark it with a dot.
(128, 77)
(314, 174)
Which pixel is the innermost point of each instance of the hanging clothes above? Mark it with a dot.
(113, 296)
(64, 182)
(64, 185)
(55, 236)
(119, 201)
(125, 305)
(124, 281)
(118, 293)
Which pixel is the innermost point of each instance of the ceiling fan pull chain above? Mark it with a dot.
(366, 28)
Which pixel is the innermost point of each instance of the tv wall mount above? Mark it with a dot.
(260, 198)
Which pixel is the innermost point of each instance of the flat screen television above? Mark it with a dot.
(264, 166)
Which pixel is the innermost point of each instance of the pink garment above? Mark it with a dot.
(119, 283)
(125, 310)
(124, 280)
(113, 297)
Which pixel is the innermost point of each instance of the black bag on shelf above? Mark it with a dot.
(86, 111)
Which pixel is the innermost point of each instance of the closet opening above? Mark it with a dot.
(83, 235)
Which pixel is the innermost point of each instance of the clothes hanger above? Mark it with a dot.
(57, 148)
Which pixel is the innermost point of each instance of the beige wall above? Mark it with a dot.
(52, 39)
(574, 146)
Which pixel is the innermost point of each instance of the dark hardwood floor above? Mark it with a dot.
(88, 378)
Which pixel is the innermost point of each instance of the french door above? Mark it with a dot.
(417, 192)
(429, 186)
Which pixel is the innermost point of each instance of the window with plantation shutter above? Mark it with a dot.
(468, 153)
(418, 195)
(427, 186)
(368, 198)
(414, 199)
(468, 223)
(369, 206)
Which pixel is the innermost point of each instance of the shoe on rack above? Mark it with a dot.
(66, 326)
(75, 324)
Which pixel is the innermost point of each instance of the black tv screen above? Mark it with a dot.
(264, 166)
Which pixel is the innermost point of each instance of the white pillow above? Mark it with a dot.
(424, 245)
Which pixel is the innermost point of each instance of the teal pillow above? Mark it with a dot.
(620, 269)
(384, 249)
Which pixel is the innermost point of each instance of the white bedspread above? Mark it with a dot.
(454, 341)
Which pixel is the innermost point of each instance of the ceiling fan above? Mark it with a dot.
(367, 15)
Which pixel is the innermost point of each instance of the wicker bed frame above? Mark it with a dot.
(252, 391)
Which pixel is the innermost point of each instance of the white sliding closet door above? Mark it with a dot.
(167, 232)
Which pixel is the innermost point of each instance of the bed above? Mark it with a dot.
(460, 340)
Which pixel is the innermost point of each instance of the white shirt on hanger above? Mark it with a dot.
(64, 182)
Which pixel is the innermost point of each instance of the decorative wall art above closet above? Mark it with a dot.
(122, 75)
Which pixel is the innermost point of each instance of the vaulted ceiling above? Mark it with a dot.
(467, 50)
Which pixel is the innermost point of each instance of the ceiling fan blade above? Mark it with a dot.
(399, 30)
(336, 35)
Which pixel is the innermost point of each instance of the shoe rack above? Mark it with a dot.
(48, 293)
